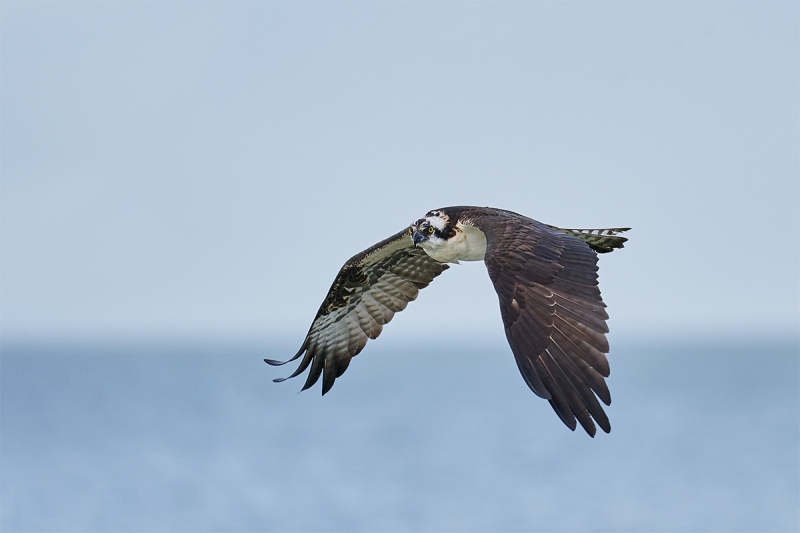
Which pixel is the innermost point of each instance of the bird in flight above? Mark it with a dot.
(546, 281)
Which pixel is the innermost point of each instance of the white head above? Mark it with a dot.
(432, 230)
(446, 239)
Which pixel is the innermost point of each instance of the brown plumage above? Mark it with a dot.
(546, 281)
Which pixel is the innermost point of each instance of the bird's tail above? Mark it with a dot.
(600, 240)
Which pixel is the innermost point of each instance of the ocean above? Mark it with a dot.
(122, 435)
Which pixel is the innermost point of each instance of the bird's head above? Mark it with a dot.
(432, 230)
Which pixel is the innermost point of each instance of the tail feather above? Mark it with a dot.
(600, 240)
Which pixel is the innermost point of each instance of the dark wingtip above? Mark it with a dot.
(275, 362)
(326, 385)
(587, 423)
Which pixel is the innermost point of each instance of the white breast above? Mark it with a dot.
(469, 244)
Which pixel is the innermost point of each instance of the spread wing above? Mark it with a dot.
(369, 289)
(554, 316)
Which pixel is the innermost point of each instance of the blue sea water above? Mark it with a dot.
(194, 436)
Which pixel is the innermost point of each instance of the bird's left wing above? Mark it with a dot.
(369, 289)
(554, 316)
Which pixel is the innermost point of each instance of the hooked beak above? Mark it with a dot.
(418, 237)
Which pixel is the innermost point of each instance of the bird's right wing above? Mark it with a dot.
(369, 289)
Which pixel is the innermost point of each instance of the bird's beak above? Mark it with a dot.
(418, 237)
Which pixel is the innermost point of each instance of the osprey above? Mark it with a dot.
(546, 281)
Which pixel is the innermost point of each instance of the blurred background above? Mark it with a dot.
(181, 182)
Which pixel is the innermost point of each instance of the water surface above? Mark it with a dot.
(191, 436)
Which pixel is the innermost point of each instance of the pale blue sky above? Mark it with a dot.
(206, 167)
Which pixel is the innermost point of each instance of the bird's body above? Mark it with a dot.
(546, 281)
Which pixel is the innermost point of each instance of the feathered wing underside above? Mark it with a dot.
(369, 289)
(554, 316)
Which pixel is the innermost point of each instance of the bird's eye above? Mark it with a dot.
(430, 229)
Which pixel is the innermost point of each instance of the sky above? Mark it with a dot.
(205, 168)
